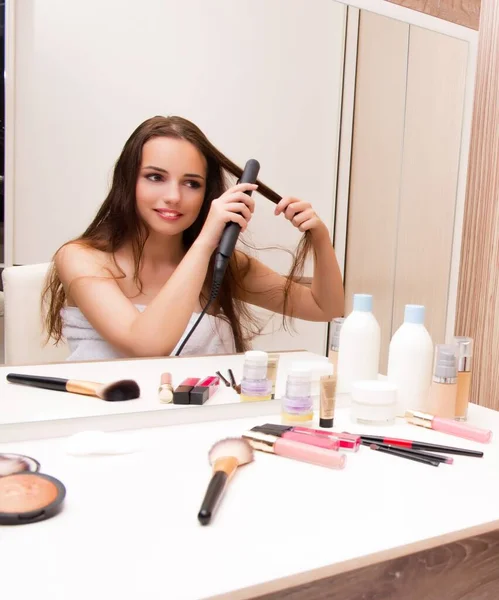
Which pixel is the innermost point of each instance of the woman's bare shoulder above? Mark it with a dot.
(77, 259)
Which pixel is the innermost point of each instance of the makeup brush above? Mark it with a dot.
(126, 389)
(227, 383)
(225, 456)
(448, 460)
(414, 445)
(402, 454)
(233, 381)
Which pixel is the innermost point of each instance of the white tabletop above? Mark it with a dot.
(45, 413)
(129, 528)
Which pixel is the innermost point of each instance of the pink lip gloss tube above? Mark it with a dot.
(295, 450)
(457, 428)
(312, 440)
(347, 441)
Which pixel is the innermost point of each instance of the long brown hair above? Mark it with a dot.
(117, 222)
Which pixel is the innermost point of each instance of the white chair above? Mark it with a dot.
(24, 331)
(1, 329)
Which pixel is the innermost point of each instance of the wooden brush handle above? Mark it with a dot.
(212, 496)
(47, 383)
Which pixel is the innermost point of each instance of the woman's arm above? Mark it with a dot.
(90, 279)
(324, 300)
(94, 289)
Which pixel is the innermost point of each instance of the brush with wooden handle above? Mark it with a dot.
(126, 389)
(225, 456)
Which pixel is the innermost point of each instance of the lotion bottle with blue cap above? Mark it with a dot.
(359, 345)
(410, 361)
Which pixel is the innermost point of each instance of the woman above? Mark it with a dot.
(133, 283)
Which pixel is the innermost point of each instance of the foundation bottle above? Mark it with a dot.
(443, 391)
(464, 359)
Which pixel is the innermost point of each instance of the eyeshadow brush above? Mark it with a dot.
(438, 457)
(227, 383)
(233, 381)
(125, 389)
(225, 456)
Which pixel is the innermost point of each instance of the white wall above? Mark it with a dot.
(262, 78)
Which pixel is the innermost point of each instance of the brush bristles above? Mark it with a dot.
(236, 447)
(126, 389)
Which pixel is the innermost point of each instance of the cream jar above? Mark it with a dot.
(374, 402)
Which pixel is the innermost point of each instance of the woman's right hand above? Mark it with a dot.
(233, 206)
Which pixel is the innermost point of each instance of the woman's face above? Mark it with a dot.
(171, 185)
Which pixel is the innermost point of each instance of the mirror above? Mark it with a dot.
(365, 116)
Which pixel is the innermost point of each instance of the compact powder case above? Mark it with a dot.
(27, 497)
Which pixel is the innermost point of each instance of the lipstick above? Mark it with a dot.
(204, 389)
(289, 434)
(459, 429)
(274, 444)
(181, 394)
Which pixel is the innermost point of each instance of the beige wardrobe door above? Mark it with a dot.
(376, 164)
(432, 141)
(405, 158)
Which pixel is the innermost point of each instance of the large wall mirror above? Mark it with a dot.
(365, 116)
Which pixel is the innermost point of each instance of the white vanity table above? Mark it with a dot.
(129, 528)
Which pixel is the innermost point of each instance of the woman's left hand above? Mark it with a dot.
(300, 213)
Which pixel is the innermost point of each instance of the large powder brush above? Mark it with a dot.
(126, 389)
(225, 457)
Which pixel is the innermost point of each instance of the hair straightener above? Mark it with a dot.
(225, 249)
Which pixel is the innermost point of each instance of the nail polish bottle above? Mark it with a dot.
(297, 403)
(443, 391)
(255, 386)
(464, 359)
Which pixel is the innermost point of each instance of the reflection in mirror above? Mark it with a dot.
(286, 85)
(359, 121)
(198, 386)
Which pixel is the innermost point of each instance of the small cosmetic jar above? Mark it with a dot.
(374, 402)
(319, 367)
